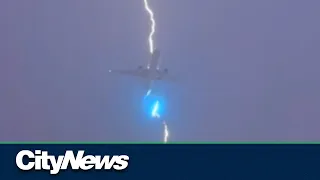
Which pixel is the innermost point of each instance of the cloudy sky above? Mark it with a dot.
(248, 70)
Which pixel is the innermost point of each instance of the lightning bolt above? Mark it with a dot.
(151, 48)
(155, 110)
(166, 132)
(155, 114)
(153, 25)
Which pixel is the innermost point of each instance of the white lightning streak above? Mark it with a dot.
(155, 114)
(166, 132)
(153, 25)
(151, 48)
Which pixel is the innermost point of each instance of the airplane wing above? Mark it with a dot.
(137, 73)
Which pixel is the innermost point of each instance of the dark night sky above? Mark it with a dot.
(247, 70)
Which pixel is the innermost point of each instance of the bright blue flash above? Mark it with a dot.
(153, 105)
(155, 110)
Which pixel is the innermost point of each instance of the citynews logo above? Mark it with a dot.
(40, 160)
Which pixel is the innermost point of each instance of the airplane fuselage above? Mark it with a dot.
(153, 71)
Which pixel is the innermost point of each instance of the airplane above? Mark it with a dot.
(151, 72)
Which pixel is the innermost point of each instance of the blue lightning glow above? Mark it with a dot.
(155, 110)
(155, 114)
(154, 105)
